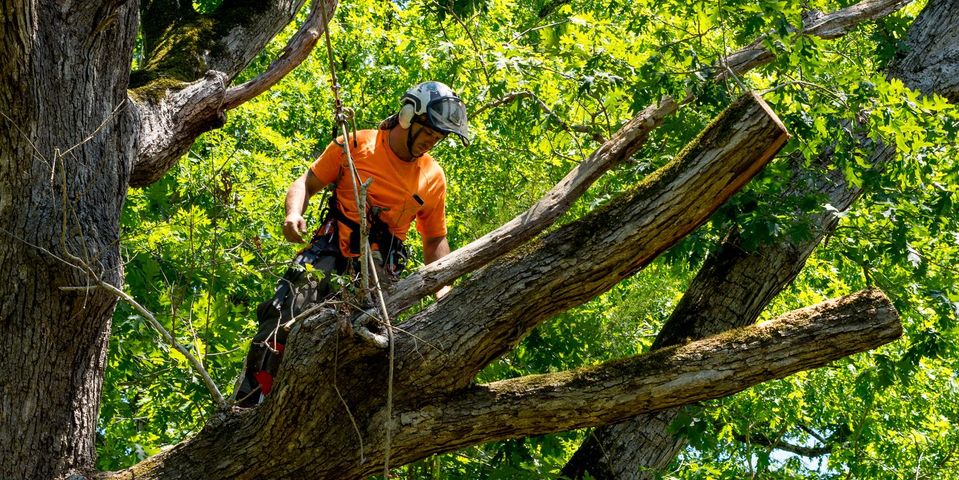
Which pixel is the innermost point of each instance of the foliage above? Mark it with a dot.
(203, 246)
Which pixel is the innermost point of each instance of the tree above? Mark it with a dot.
(69, 159)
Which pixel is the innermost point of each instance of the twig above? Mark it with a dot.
(210, 385)
(389, 378)
(517, 36)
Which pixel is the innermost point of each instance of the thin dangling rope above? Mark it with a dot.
(344, 117)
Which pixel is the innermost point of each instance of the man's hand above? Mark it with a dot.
(294, 227)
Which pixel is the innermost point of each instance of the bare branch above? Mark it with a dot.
(827, 26)
(297, 50)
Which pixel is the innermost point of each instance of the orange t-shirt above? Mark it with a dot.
(395, 188)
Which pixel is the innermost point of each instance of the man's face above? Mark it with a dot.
(425, 139)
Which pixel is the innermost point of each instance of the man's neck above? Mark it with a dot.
(397, 142)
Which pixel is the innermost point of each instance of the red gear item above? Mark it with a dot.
(265, 378)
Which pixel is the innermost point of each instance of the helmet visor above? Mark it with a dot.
(448, 115)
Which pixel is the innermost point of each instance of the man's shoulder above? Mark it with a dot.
(365, 140)
(431, 169)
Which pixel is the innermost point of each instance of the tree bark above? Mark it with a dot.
(66, 144)
(734, 286)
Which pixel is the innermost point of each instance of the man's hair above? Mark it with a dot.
(390, 122)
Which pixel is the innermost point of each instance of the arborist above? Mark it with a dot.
(408, 184)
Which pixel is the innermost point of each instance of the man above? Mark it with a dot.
(407, 185)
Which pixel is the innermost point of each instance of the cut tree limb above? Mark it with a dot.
(490, 314)
(627, 141)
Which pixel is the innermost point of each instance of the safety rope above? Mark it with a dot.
(345, 117)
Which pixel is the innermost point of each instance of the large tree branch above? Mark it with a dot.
(711, 368)
(488, 316)
(537, 218)
(627, 141)
(735, 285)
(174, 114)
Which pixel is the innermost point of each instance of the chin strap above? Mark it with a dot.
(410, 138)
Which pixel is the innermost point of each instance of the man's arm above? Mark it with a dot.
(435, 248)
(297, 198)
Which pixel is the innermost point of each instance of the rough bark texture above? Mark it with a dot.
(67, 133)
(734, 286)
(717, 366)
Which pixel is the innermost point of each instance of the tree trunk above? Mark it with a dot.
(66, 146)
(734, 286)
(70, 139)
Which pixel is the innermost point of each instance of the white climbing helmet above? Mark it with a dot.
(442, 109)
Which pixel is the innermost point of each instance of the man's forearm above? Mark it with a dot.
(296, 198)
(435, 249)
